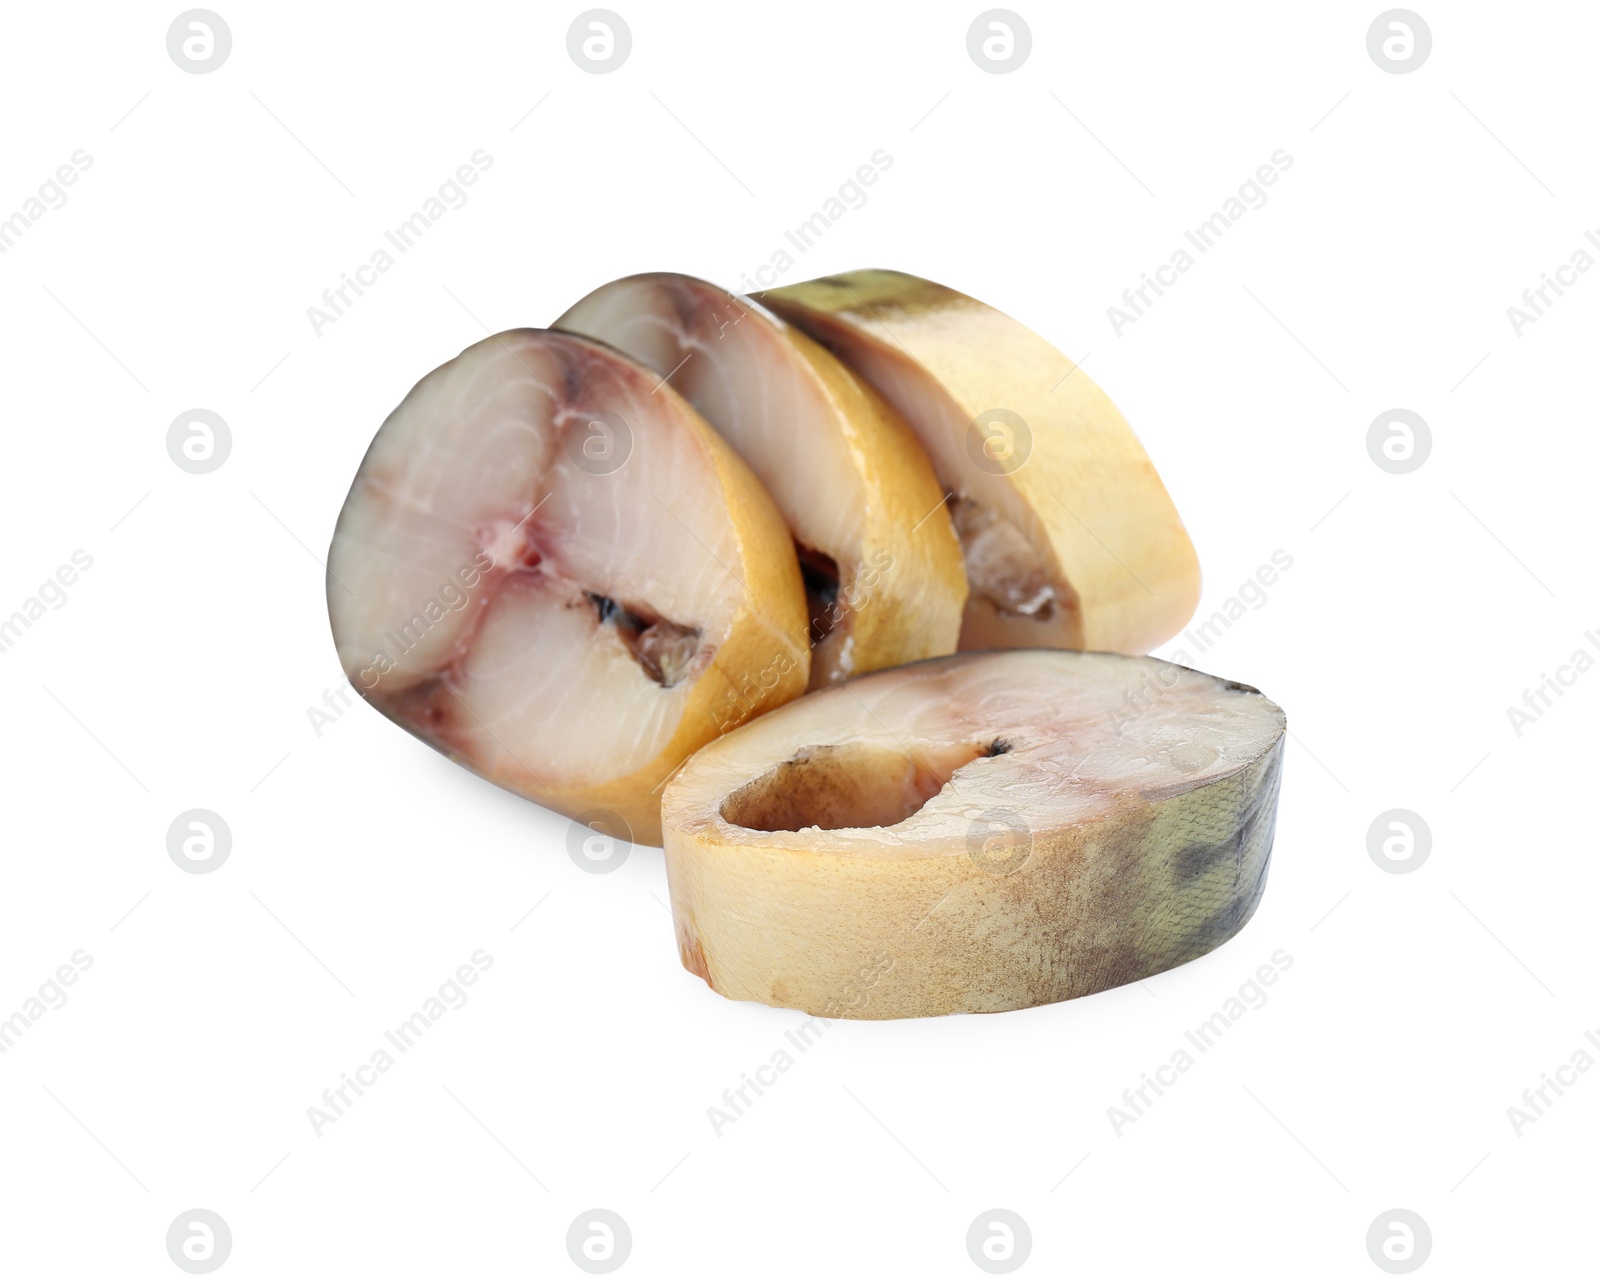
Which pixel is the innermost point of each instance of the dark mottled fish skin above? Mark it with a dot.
(1163, 894)
(1234, 865)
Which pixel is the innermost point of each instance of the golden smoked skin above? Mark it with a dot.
(979, 833)
(1073, 491)
(492, 578)
(844, 469)
(913, 608)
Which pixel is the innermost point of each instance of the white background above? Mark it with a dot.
(365, 868)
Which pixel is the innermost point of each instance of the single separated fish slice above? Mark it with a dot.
(881, 562)
(551, 569)
(1069, 536)
(978, 833)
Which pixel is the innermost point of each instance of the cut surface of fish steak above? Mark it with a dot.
(1070, 538)
(979, 833)
(552, 570)
(845, 471)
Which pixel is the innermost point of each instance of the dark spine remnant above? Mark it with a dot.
(821, 575)
(664, 650)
